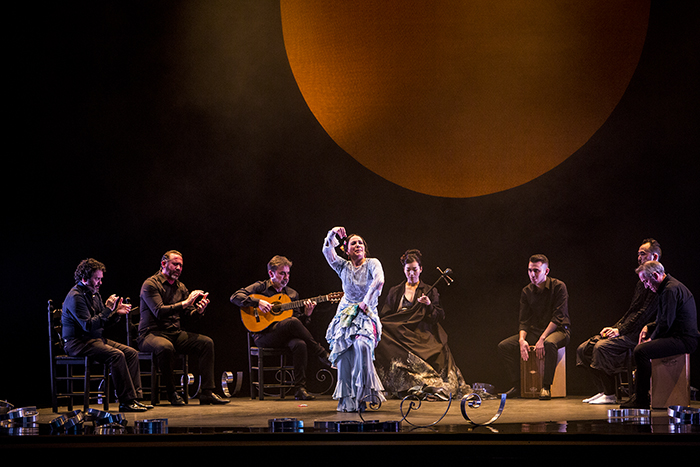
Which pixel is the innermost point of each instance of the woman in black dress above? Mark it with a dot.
(413, 354)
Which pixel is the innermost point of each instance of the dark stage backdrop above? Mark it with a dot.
(146, 126)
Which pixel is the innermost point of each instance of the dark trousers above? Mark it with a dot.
(603, 358)
(164, 345)
(657, 348)
(291, 333)
(122, 360)
(509, 352)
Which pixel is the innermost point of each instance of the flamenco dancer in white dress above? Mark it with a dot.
(355, 329)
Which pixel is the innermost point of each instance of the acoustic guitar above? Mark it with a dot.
(282, 308)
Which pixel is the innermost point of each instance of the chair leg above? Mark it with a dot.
(71, 387)
(155, 381)
(250, 374)
(54, 399)
(107, 387)
(185, 379)
(625, 378)
(261, 376)
(631, 385)
(86, 387)
(283, 376)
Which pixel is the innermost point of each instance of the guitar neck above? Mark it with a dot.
(300, 303)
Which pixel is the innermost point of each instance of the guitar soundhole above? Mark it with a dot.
(275, 309)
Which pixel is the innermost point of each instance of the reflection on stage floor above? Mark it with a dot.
(522, 425)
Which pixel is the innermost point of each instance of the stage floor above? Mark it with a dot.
(524, 426)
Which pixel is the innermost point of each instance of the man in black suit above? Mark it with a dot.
(83, 320)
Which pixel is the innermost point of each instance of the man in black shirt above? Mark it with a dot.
(164, 301)
(83, 321)
(604, 355)
(674, 332)
(544, 319)
(290, 332)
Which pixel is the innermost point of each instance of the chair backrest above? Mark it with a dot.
(132, 327)
(55, 329)
(251, 342)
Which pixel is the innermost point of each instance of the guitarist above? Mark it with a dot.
(290, 332)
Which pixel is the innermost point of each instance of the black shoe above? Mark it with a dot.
(323, 359)
(545, 394)
(633, 403)
(176, 399)
(213, 399)
(131, 407)
(513, 393)
(303, 395)
(145, 406)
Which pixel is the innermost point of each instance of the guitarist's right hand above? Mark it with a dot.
(264, 306)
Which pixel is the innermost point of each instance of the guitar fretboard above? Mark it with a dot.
(299, 303)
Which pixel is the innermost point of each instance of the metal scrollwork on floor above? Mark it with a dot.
(188, 380)
(415, 400)
(325, 375)
(227, 379)
(375, 403)
(473, 401)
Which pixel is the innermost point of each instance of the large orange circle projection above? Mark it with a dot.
(460, 98)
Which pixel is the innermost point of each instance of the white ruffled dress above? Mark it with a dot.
(353, 335)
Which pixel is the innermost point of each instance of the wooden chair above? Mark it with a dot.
(149, 365)
(68, 372)
(624, 379)
(257, 369)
